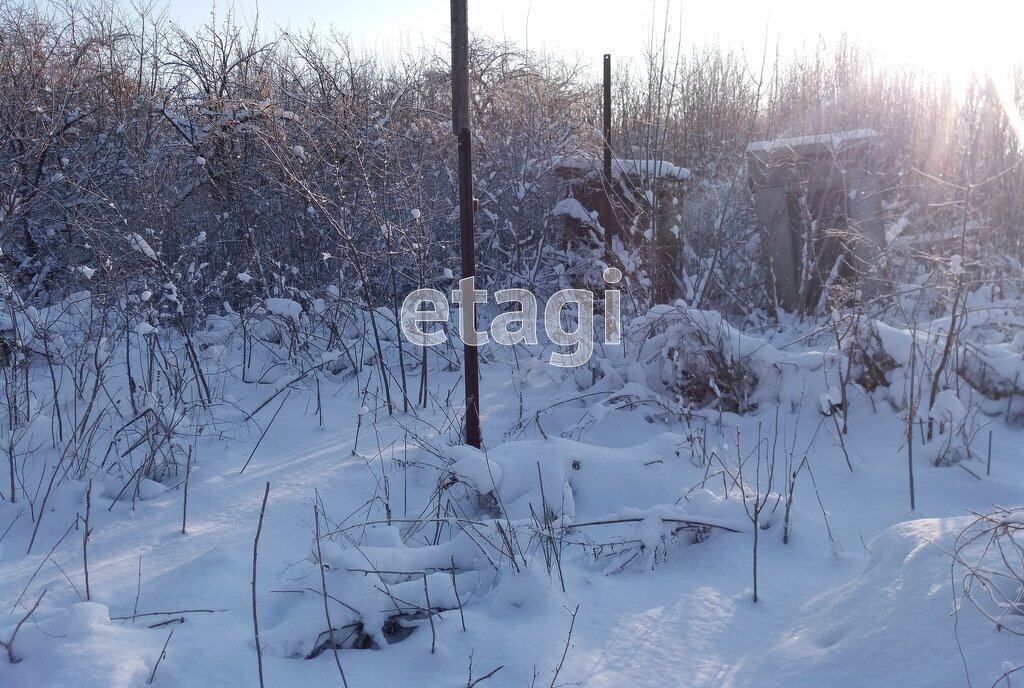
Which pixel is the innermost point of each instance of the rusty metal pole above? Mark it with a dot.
(461, 127)
(608, 150)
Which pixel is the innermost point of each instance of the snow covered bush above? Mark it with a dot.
(988, 567)
(698, 358)
(871, 363)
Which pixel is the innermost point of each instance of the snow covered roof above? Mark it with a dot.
(817, 157)
(841, 139)
(623, 167)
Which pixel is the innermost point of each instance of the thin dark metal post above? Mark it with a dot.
(608, 146)
(461, 127)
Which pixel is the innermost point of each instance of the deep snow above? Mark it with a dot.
(862, 595)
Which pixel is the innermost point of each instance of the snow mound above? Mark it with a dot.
(570, 207)
(284, 308)
(79, 646)
(858, 632)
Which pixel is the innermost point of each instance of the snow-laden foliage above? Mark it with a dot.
(205, 238)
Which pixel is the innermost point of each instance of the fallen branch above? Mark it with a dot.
(160, 624)
(684, 522)
(179, 611)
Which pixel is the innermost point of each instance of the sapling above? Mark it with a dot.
(255, 556)
(9, 643)
(844, 370)
(911, 413)
(323, 589)
(565, 650)
(163, 653)
(760, 494)
(86, 533)
(184, 500)
(988, 462)
(458, 599)
(473, 682)
(791, 472)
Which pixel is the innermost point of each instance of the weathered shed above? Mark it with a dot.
(639, 210)
(819, 201)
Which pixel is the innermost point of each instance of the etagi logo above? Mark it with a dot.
(516, 326)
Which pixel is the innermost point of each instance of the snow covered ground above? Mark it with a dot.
(595, 497)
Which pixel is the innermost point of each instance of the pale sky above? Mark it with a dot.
(947, 35)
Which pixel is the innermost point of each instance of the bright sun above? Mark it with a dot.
(955, 38)
(964, 41)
